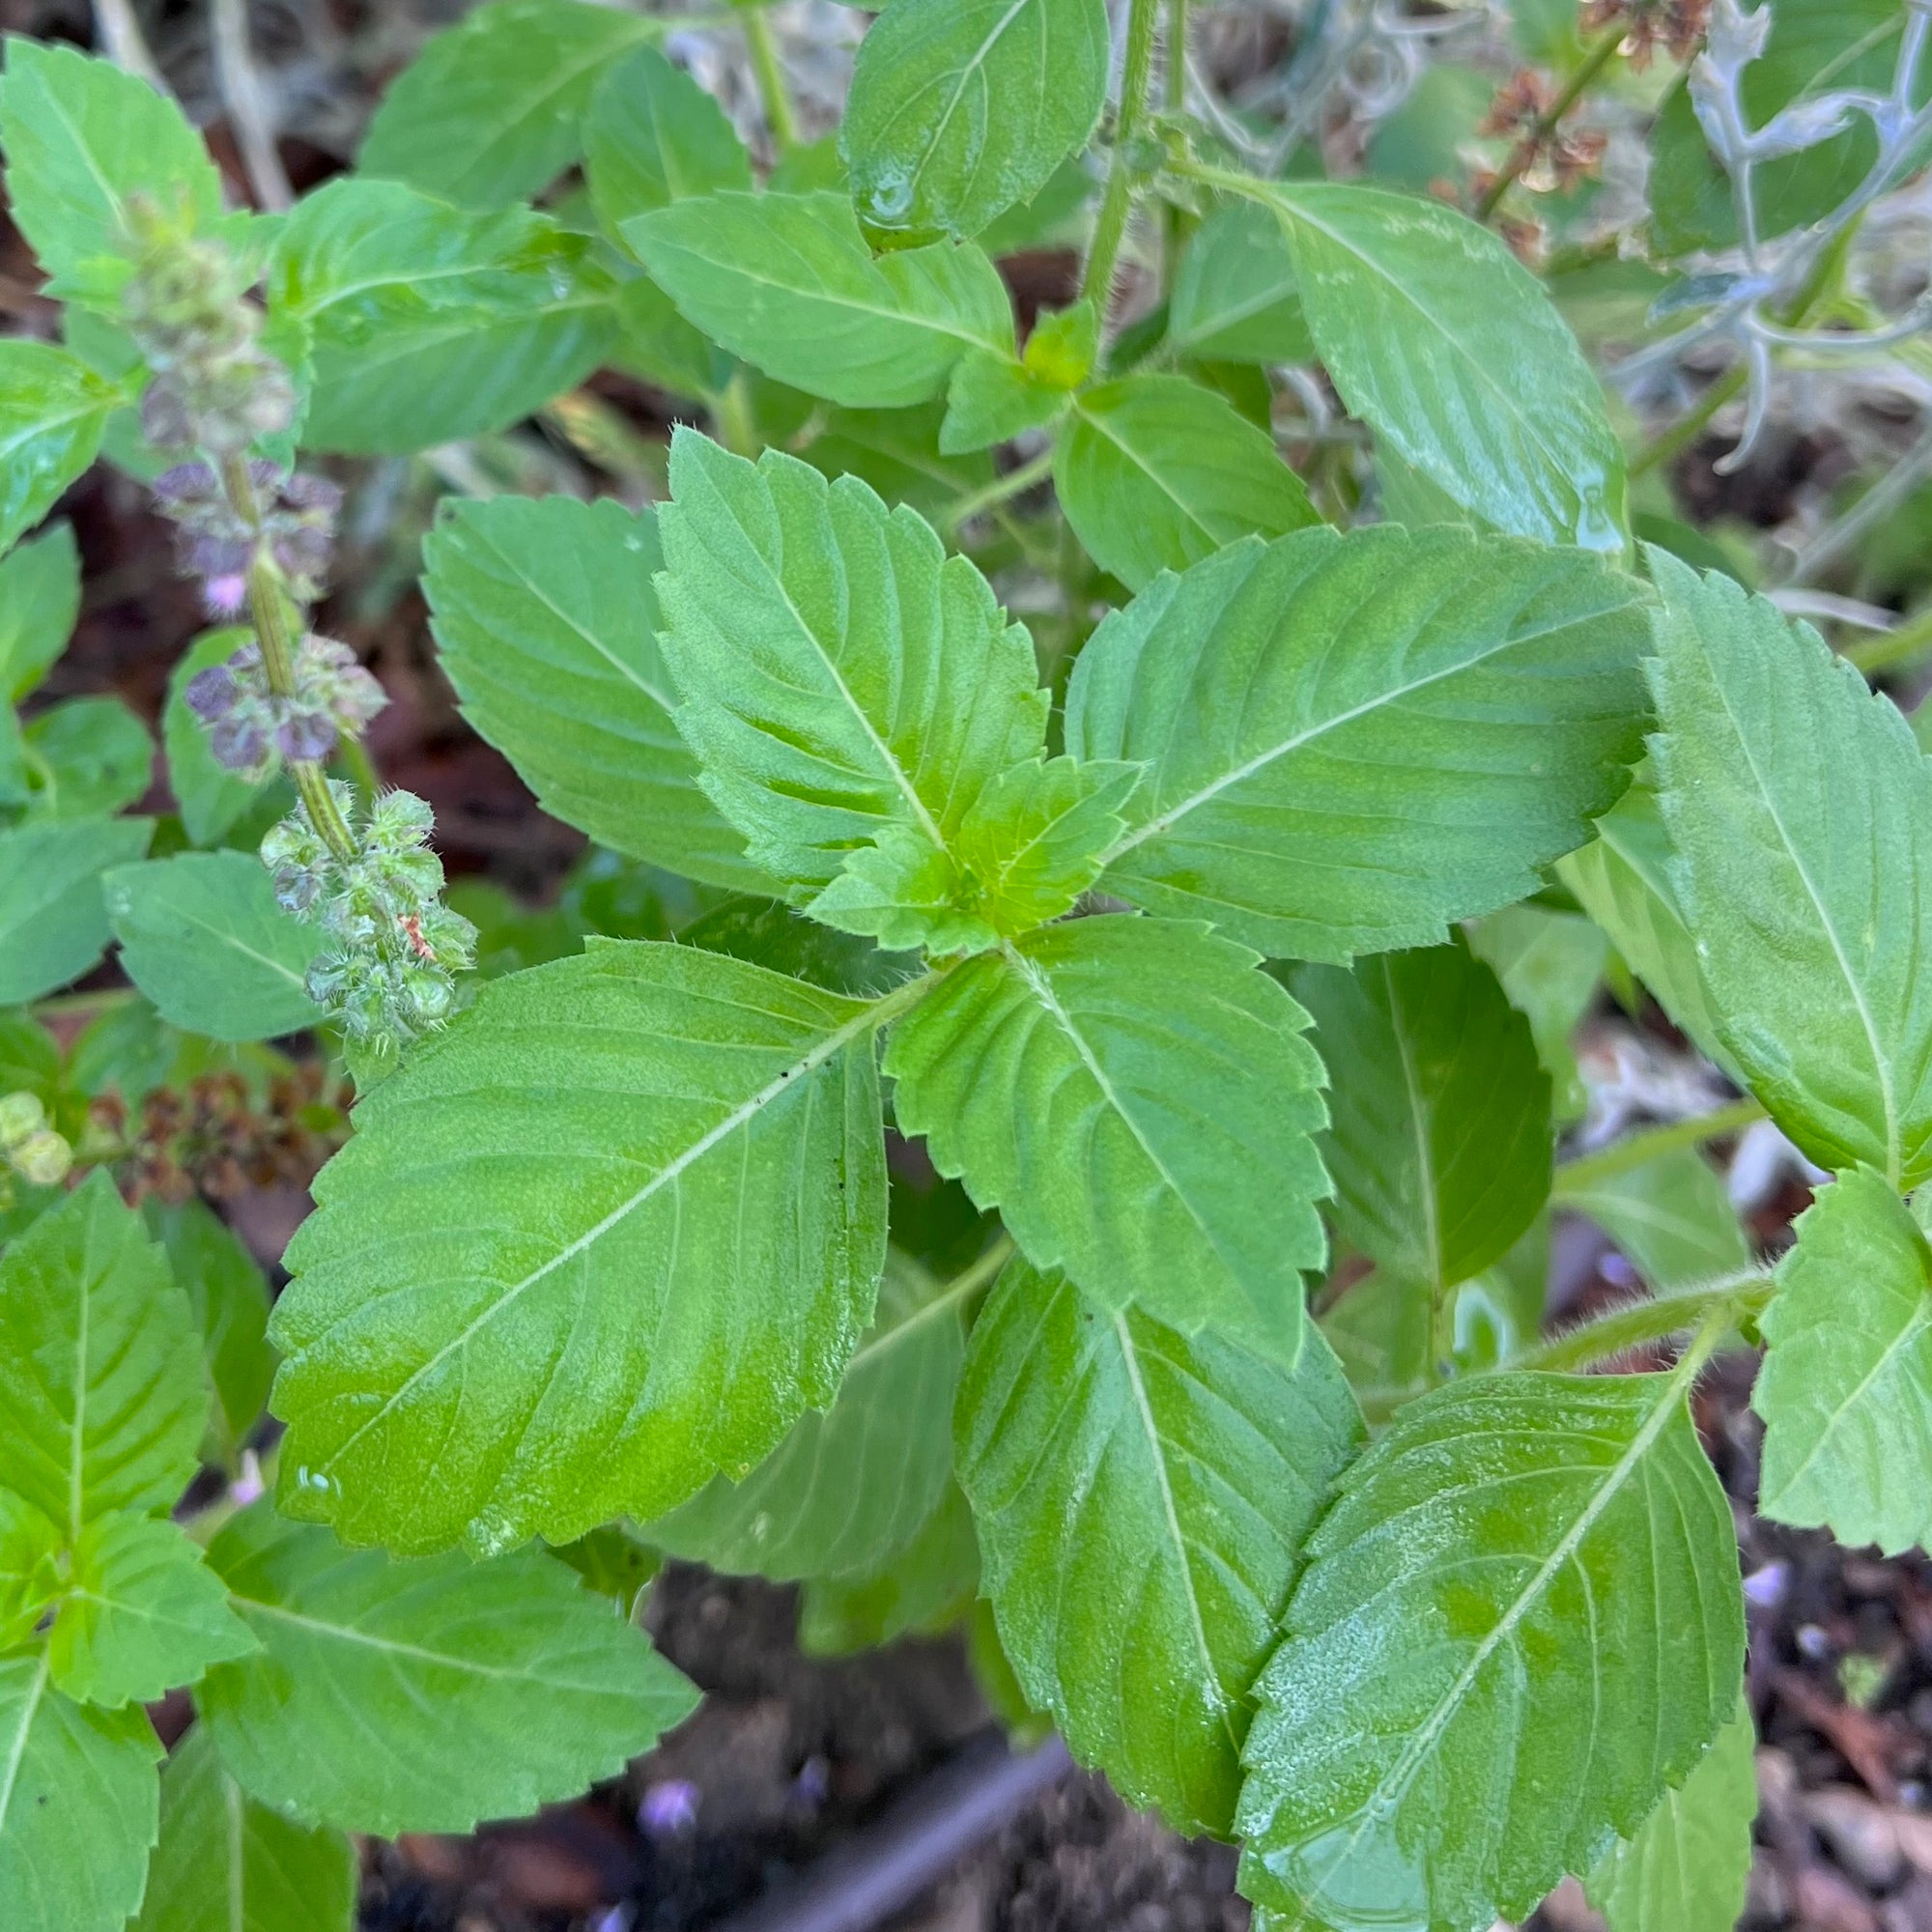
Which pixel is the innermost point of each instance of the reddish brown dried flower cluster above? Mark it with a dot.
(1546, 157)
(1676, 25)
(212, 1139)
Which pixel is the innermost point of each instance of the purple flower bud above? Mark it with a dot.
(303, 551)
(213, 693)
(165, 421)
(225, 596)
(306, 491)
(305, 734)
(669, 1808)
(186, 483)
(238, 741)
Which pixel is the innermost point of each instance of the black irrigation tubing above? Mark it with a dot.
(913, 1844)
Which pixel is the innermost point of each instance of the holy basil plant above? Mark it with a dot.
(1218, 931)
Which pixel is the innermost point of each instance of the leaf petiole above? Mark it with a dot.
(1711, 1310)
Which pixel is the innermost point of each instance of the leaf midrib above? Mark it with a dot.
(542, 596)
(1297, 211)
(1424, 1736)
(1144, 1411)
(786, 1080)
(967, 69)
(10, 1774)
(1915, 1325)
(1881, 1068)
(1165, 822)
(419, 1653)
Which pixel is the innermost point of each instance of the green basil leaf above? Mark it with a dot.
(845, 1491)
(82, 136)
(1441, 341)
(86, 758)
(1671, 1216)
(547, 626)
(1142, 1500)
(992, 399)
(78, 1811)
(1792, 794)
(927, 1587)
(610, 1233)
(53, 922)
(39, 599)
(424, 323)
(897, 452)
(960, 109)
(492, 110)
(225, 1863)
(100, 1383)
(140, 1614)
(1846, 1387)
(390, 1696)
(54, 410)
(842, 676)
(1525, 1593)
(654, 136)
(1156, 472)
(212, 799)
(1312, 712)
(1236, 298)
(230, 1303)
(1624, 879)
(1117, 1088)
(1441, 1143)
(1550, 964)
(202, 936)
(786, 281)
(1687, 1865)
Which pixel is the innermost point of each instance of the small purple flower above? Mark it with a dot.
(669, 1808)
(213, 693)
(304, 733)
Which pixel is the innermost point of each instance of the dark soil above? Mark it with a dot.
(789, 1754)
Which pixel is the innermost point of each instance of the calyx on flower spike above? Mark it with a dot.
(387, 974)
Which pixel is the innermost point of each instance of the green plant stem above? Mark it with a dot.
(1545, 124)
(1110, 229)
(360, 766)
(764, 52)
(62, 1004)
(1178, 223)
(1892, 648)
(1578, 1176)
(1687, 429)
(1014, 483)
(270, 608)
(1711, 1310)
(903, 998)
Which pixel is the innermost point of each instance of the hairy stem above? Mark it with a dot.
(778, 117)
(1110, 229)
(1592, 1170)
(1176, 224)
(1545, 124)
(1711, 1309)
(1892, 648)
(272, 613)
(1014, 483)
